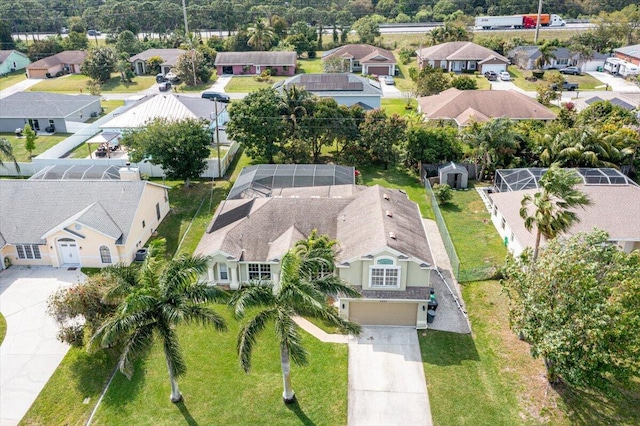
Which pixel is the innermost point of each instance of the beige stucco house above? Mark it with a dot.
(383, 249)
(67, 62)
(74, 222)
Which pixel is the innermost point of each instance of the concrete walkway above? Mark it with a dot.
(319, 333)
(30, 352)
(386, 379)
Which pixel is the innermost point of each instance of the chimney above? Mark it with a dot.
(129, 173)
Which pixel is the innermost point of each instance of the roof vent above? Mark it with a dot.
(388, 213)
(392, 235)
(385, 196)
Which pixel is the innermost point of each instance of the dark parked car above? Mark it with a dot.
(491, 75)
(165, 86)
(93, 33)
(566, 86)
(571, 70)
(160, 78)
(215, 96)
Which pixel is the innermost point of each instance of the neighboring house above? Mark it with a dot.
(467, 106)
(628, 53)
(252, 63)
(171, 107)
(79, 223)
(382, 250)
(525, 57)
(346, 89)
(43, 109)
(615, 206)
(169, 58)
(364, 58)
(12, 60)
(67, 62)
(459, 56)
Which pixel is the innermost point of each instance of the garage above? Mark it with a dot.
(378, 70)
(492, 64)
(384, 313)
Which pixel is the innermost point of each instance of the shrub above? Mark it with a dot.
(443, 193)
(538, 74)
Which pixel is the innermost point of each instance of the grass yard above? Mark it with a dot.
(585, 81)
(107, 107)
(10, 79)
(310, 66)
(490, 378)
(248, 84)
(77, 83)
(3, 328)
(397, 106)
(43, 143)
(403, 82)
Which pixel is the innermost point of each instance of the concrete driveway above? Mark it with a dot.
(616, 84)
(386, 379)
(30, 352)
(21, 86)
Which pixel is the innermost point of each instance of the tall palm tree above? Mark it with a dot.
(295, 105)
(300, 292)
(156, 297)
(547, 53)
(261, 35)
(494, 144)
(551, 215)
(6, 151)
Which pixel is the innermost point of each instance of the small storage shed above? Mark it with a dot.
(454, 175)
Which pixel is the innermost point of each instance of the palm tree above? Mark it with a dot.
(156, 297)
(6, 151)
(301, 291)
(494, 144)
(261, 35)
(547, 52)
(295, 105)
(550, 214)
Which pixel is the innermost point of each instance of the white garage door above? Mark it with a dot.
(380, 313)
(494, 67)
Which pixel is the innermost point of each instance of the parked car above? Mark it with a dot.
(215, 96)
(504, 76)
(388, 79)
(173, 78)
(165, 86)
(571, 70)
(64, 30)
(565, 86)
(93, 33)
(160, 78)
(491, 75)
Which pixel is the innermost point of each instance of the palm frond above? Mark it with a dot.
(252, 295)
(249, 334)
(334, 286)
(136, 344)
(205, 316)
(202, 292)
(172, 351)
(288, 335)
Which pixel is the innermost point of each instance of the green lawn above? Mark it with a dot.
(77, 83)
(310, 66)
(398, 106)
(3, 328)
(403, 82)
(43, 143)
(10, 79)
(107, 107)
(248, 84)
(585, 81)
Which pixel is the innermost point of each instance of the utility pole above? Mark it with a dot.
(218, 137)
(535, 39)
(193, 49)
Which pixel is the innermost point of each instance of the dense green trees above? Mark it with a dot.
(99, 64)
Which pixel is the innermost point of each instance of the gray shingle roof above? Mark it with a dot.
(358, 220)
(339, 84)
(256, 58)
(31, 208)
(169, 56)
(44, 104)
(633, 50)
(457, 51)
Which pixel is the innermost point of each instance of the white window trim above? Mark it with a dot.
(260, 266)
(386, 268)
(220, 272)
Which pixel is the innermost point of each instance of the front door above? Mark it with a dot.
(68, 249)
(34, 124)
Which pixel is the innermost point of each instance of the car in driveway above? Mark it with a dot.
(215, 96)
(504, 76)
(571, 70)
(491, 75)
(389, 80)
(165, 86)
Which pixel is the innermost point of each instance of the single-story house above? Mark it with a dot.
(459, 56)
(12, 60)
(466, 106)
(67, 62)
(615, 206)
(252, 63)
(169, 60)
(43, 109)
(525, 57)
(364, 58)
(628, 53)
(78, 222)
(171, 107)
(383, 250)
(347, 89)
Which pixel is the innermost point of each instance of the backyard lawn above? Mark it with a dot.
(43, 143)
(107, 107)
(398, 106)
(77, 83)
(11, 79)
(311, 66)
(247, 84)
(585, 81)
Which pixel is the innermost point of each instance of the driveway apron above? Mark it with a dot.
(386, 379)
(30, 352)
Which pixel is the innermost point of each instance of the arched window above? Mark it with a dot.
(384, 273)
(105, 254)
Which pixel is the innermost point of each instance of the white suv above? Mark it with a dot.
(504, 76)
